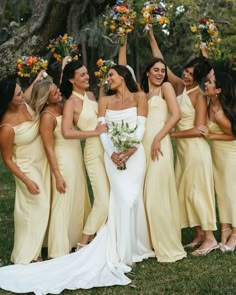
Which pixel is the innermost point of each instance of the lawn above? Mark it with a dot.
(213, 274)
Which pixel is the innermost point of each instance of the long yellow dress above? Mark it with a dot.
(224, 167)
(31, 212)
(160, 193)
(194, 173)
(94, 162)
(69, 211)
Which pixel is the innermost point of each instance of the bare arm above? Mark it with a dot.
(47, 126)
(68, 129)
(156, 52)
(170, 98)
(215, 136)
(122, 58)
(200, 119)
(223, 122)
(6, 147)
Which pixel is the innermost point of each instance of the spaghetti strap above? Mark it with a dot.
(192, 89)
(48, 113)
(7, 125)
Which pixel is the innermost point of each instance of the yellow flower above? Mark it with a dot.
(112, 27)
(146, 14)
(193, 28)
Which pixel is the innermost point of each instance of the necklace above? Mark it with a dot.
(81, 96)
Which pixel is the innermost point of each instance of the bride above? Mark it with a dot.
(124, 238)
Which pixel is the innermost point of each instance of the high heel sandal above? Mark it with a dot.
(225, 248)
(79, 246)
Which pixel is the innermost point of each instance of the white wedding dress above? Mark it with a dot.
(122, 240)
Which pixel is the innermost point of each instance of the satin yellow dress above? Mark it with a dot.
(224, 167)
(94, 162)
(194, 173)
(160, 194)
(31, 212)
(69, 211)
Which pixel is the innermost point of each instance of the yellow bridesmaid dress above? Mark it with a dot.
(160, 193)
(194, 172)
(224, 167)
(69, 211)
(31, 212)
(94, 162)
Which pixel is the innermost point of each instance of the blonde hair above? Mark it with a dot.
(39, 96)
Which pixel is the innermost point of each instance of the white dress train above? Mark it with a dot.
(122, 240)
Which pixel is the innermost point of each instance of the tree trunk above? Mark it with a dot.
(48, 21)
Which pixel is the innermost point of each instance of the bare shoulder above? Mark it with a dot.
(91, 96)
(140, 95)
(166, 86)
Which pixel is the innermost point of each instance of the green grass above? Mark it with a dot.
(214, 274)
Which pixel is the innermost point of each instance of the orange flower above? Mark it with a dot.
(29, 61)
(121, 8)
(99, 62)
(123, 18)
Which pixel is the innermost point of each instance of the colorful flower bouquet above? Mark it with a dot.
(29, 66)
(120, 20)
(153, 14)
(206, 32)
(64, 46)
(103, 68)
(123, 138)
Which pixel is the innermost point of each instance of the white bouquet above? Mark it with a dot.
(123, 138)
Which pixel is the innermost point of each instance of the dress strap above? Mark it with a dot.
(81, 96)
(48, 113)
(7, 125)
(192, 89)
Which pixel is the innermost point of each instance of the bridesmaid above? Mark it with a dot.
(160, 192)
(23, 153)
(221, 131)
(80, 110)
(70, 199)
(194, 186)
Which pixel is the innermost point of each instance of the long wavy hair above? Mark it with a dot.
(144, 80)
(7, 90)
(124, 72)
(227, 97)
(69, 73)
(39, 96)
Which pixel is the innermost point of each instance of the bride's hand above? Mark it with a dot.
(125, 155)
(117, 159)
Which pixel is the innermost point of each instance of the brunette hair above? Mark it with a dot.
(69, 73)
(227, 97)
(7, 90)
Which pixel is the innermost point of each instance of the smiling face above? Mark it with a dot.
(81, 78)
(210, 88)
(114, 79)
(54, 95)
(18, 97)
(188, 77)
(156, 74)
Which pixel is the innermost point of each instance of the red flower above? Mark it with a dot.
(202, 21)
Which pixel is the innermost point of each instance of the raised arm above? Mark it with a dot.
(156, 52)
(47, 126)
(122, 55)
